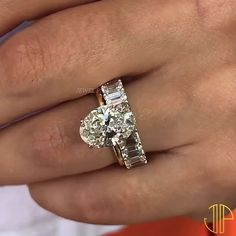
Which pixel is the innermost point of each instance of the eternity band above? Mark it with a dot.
(113, 125)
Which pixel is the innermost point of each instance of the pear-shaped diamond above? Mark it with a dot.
(107, 125)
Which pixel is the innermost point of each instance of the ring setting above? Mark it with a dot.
(113, 124)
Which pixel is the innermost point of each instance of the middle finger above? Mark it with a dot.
(67, 54)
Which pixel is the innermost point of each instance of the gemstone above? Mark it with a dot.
(107, 125)
(114, 93)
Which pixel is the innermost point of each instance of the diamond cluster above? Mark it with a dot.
(107, 125)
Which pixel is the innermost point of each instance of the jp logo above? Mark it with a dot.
(218, 218)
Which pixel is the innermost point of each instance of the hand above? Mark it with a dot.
(182, 55)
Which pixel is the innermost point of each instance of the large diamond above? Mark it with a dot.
(107, 125)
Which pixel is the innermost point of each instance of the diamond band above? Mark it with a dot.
(113, 125)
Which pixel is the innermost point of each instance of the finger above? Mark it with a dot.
(14, 12)
(49, 145)
(64, 56)
(162, 189)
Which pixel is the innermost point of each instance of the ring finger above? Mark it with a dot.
(48, 145)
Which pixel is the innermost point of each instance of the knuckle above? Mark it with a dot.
(213, 14)
(48, 144)
(213, 95)
(214, 173)
(180, 100)
(23, 62)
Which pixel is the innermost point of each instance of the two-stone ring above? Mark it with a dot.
(113, 124)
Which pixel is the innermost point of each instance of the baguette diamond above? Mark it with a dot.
(114, 93)
(131, 148)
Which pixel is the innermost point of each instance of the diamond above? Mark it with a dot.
(108, 125)
(114, 93)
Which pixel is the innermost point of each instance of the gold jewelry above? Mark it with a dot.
(113, 124)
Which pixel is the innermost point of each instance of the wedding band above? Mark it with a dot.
(113, 124)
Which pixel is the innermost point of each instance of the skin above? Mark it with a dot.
(181, 56)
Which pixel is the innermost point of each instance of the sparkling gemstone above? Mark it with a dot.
(114, 93)
(107, 125)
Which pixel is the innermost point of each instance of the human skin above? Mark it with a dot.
(181, 56)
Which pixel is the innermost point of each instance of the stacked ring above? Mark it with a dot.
(113, 124)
